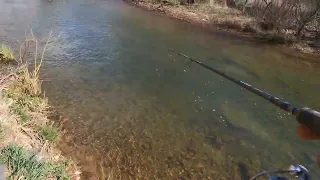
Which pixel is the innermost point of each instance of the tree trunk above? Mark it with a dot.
(211, 3)
(225, 3)
(307, 20)
(244, 6)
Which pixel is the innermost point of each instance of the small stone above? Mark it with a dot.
(200, 166)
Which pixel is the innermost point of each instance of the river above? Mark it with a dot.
(131, 110)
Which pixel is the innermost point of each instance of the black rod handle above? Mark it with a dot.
(310, 118)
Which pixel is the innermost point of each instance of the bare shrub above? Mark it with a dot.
(282, 16)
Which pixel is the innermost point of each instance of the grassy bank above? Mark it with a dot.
(250, 23)
(27, 137)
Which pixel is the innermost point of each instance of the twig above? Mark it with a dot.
(188, 64)
(37, 68)
(26, 132)
(6, 77)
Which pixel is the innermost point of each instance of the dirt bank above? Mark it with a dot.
(229, 20)
(28, 139)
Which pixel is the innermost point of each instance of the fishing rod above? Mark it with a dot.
(308, 117)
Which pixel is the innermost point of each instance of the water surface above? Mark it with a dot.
(129, 107)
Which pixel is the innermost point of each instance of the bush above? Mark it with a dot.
(277, 15)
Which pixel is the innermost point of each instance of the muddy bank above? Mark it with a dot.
(231, 21)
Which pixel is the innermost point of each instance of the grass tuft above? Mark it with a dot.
(26, 165)
(50, 133)
(23, 113)
(24, 105)
(19, 108)
(6, 55)
(29, 83)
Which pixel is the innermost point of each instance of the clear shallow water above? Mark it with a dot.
(118, 90)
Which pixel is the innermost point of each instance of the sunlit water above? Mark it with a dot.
(111, 69)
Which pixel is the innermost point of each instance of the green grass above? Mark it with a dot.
(28, 165)
(23, 104)
(50, 133)
(22, 112)
(17, 107)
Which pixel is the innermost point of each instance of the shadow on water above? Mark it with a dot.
(130, 110)
(244, 171)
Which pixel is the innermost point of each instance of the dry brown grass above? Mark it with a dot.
(204, 14)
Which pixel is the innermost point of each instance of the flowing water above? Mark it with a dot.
(132, 110)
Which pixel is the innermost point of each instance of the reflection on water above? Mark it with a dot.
(131, 109)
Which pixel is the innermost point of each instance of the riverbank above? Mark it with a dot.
(28, 138)
(230, 20)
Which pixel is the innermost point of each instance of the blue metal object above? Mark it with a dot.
(300, 172)
(279, 178)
